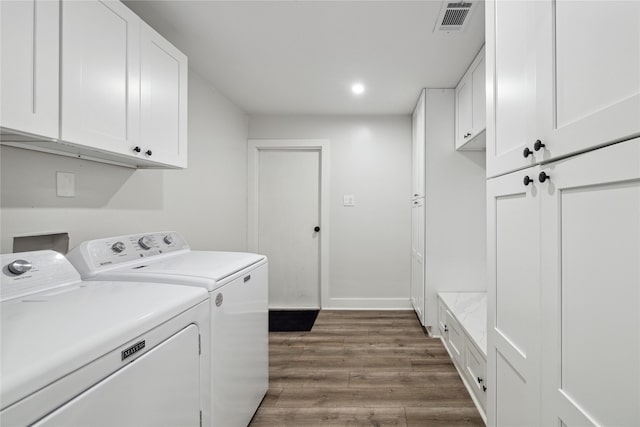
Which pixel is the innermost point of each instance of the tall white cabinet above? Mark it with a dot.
(563, 213)
(448, 208)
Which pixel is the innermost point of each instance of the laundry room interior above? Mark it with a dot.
(451, 190)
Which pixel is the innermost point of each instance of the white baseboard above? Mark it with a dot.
(369, 304)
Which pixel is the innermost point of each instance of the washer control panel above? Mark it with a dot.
(29, 272)
(110, 251)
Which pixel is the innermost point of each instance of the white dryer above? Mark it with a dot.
(238, 293)
(98, 353)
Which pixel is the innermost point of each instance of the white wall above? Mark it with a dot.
(206, 202)
(455, 243)
(369, 243)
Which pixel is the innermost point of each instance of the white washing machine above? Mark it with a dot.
(238, 293)
(80, 353)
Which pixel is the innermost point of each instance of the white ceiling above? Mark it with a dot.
(301, 57)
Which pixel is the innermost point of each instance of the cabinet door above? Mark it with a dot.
(29, 39)
(512, 62)
(418, 147)
(590, 80)
(479, 94)
(100, 75)
(163, 125)
(464, 111)
(455, 339)
(513, 300)
(417, 258)
(591, 293)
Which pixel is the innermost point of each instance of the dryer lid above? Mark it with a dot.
(50, 334)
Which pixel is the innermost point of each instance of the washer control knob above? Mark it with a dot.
(118, 247)
(168, 239)
(19, 267)
(145, 242)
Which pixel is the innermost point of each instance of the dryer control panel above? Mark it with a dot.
(101, 254)
(30, 272)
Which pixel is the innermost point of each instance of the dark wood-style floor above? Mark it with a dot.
(363, 368)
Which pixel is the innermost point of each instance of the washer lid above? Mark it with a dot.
(49, 334)
(206, 265)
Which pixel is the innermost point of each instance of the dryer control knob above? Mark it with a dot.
(145, 242)
(168, 239)
(19, 266)
(118, 247)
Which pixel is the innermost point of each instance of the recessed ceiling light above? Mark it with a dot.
(357, 88)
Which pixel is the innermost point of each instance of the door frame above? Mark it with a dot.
(322, 146)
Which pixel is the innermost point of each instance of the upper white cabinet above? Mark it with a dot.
(163, 126)
(418, 147)
(123, 88)
(100, 75)
(559, 80)
(471, 106)
(29, 67)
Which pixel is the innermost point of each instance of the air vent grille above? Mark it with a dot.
(453, 16)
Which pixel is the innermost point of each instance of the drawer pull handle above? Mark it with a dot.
(526, 152)
(484, 388)
(538, 145)
(246, 279)
(480, 380)
(527, 180)
(446, 328)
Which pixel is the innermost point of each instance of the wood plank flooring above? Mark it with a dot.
(363, 368)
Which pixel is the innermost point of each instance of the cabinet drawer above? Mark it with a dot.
(475, 368)
(442, 319)
(455, 339)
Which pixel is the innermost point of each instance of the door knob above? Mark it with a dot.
(526, 152)
(538, 145)
(543, 177)
(316, 228)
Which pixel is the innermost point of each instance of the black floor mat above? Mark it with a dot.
(291, 320)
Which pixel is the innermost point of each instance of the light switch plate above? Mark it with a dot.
(348, 200)
(65, 184)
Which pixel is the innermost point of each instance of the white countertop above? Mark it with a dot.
(470, 308)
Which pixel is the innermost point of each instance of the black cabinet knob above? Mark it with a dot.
(316, 228)
(136, 149)
(484, 388)
(480, 380)
(543, 177)
(148, 152)
(526, 152)
(526, 180)
(538, 145)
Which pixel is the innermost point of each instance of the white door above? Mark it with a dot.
(163, 97)
(29, 59)
(513, 300)
(418, 146)
(288, 213)
(161, 388)
(100, 75)
(512, 63)
(591, 288)
(417, 258)
(589, 97)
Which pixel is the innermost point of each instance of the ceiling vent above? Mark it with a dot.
(454, 16)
